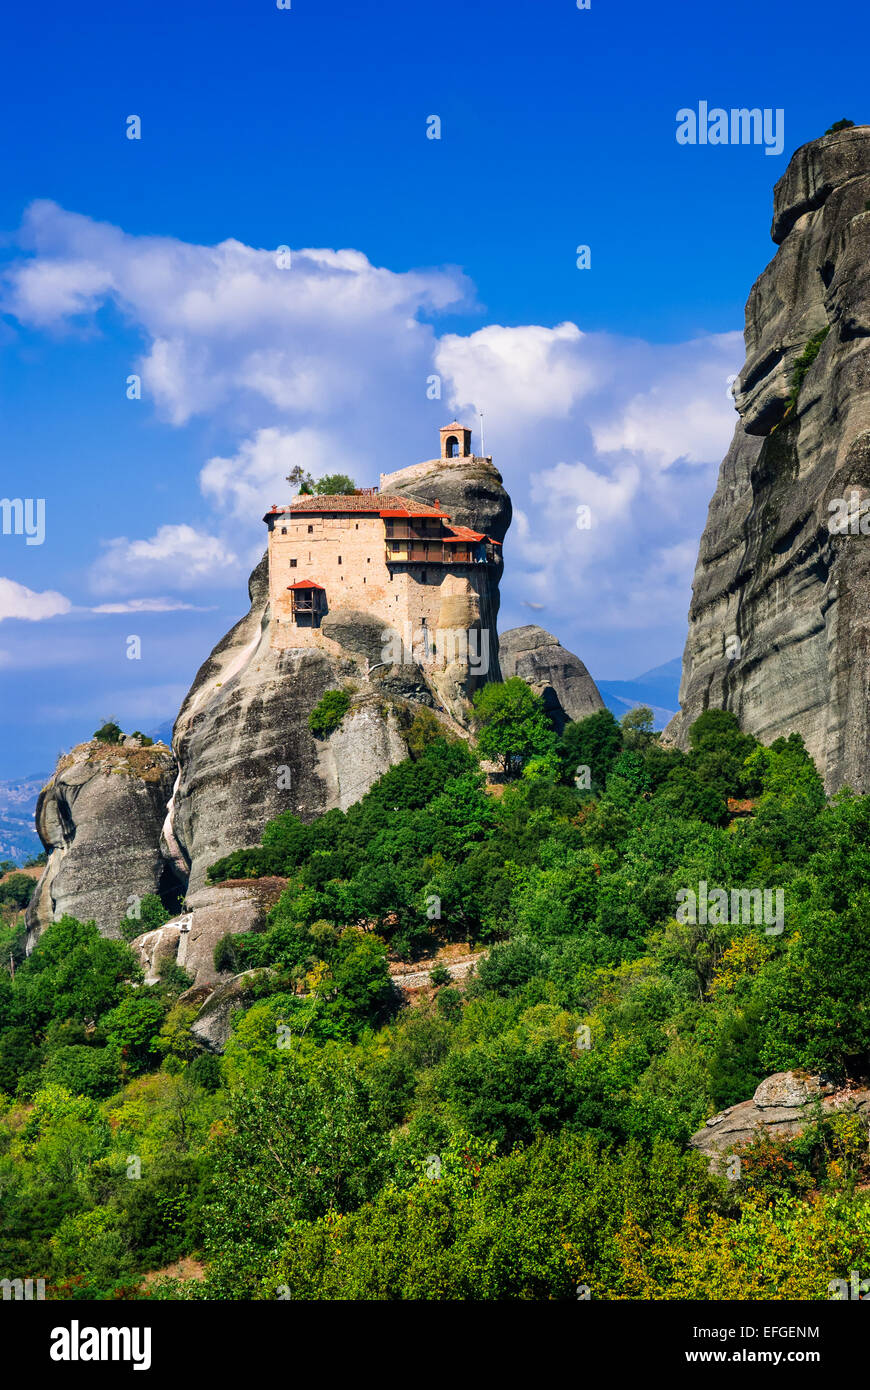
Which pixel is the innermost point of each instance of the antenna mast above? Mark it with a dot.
(482, 443)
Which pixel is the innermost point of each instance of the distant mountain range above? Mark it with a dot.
(18, 837)
(657, 688)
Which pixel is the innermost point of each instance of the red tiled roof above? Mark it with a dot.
(463, 533)
(377, 503)
(405, 511)
(306, 584)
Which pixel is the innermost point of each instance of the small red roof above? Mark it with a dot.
(306, 584)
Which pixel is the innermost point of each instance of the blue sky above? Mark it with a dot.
(605, 387)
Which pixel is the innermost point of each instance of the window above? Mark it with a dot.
(292, 564)
(339, 559)
(452, 446)
(356, 527)
(283, 530)
(368, 559)
(310, 529)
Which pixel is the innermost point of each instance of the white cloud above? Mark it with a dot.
(247, 484)
(177, 556)
(326, 365)
(16, 601)
(517, 375)
(146, 605)
(225, 323)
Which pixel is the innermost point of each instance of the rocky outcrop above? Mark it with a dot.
(778, 628)
(190, 939)
(782, 1106)
(212, 1027)
(245, 751)
(100, 819)
(159, 945)
(568, 690)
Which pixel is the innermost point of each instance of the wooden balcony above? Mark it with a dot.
(401, 553)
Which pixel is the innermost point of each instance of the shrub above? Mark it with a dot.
(17, 889)
(85, 1071)
(152, 914)
(109, 732)
(844, 124)
(803, 364)
(328, 713)
(205, 1071)
(225, 957)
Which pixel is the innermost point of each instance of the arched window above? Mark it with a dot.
(452, 446)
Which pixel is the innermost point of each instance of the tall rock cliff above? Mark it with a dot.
(778, 625)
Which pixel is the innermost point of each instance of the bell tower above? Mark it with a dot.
(455, 441)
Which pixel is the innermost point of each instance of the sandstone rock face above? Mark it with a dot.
(154, 947)
(244, 749)
(536, 656)
(778, 627)
(100, 818)
(783, 1105)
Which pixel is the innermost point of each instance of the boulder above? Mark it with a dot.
(782, 1106)
(211, 1027)
(536, 656)
(154, 947)
(100, 820)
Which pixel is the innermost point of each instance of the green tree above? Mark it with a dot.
(637, 726)
(328, 713)
(109, 732)
(594, 743)
(300, 1143)
(132, 1026)
(334, 485)
(512, 725)
(17, 890)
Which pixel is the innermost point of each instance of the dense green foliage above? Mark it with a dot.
(515, 1133)
(511, 725)
(17, 890)
(328, 713)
